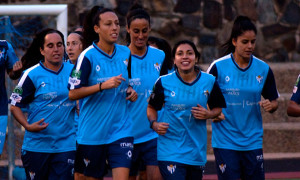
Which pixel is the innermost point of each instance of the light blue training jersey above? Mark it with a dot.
(103, 116)
(242, 88)
(186, 138)
(7, 59)
(144, 71)
(44, 92)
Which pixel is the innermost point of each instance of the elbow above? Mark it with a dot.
(72, 96)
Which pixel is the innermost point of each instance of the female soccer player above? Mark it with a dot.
(145, 69)
(243, 79)
(294, 104)
(74, 45)
(48, 150)
(185, 94)
(101, 79)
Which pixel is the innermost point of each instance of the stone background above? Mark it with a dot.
(206, 22)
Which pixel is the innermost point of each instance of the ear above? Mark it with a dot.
(42, 51)
(233, 41)
(96, 29)
(127, 29)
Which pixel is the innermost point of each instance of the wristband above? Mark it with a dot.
(100, 90)
(151, 123)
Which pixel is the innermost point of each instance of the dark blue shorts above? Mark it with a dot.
(233, 164)
(174, 171)
(48, 165)
(91, 159)
(144, 154)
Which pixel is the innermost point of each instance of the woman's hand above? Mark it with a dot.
(200, 112)
(113, 82)
(269, 106)
(132, 95)
(37, 126)
(220, 118)
(160, 127)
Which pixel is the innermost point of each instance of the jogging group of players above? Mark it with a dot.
(131, 107)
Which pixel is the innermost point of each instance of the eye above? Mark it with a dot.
(59, 44)
(136, 31)
(50, 45)
(244, 41)
(145, 30)
(68, 44)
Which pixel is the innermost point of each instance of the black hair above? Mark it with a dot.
(80, 35)
(91, 19)
(197, 54)
(33, 54)
(136, 11)
(240, 25)
(164, 46)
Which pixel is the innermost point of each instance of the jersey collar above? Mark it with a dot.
(245, 69)
(54, 72)
(143, 56)
(104, 53)
(192, 83)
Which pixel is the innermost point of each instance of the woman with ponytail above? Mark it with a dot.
(100, 79)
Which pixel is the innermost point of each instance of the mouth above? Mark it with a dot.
(57, 56)
(185, 63)
(114, 35)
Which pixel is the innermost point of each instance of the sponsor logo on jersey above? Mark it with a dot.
(259, 78)
(86, 162)
(97, 68)
(295, 89)
(173, 93)
(227, 79)
(126, 62)
(171, 168)
(74, 79)
(126, 145)
(157, 66)
(31, 174)
(16, 95)
(222, 167)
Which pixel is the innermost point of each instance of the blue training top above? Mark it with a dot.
(44, 92)
(186, 138)
(242, 88)
(7, 60)
(296, 91)
(144, 71)
(104, 116)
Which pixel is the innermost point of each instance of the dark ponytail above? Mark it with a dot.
(240, 25)
(91, 19)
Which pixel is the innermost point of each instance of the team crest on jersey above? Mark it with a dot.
(259, 78)
(126, 62)
(171, 168)
(157, 66)
(222, 167)
(31, 174)
(97, 68)
(86, 162)
(206, 93)
(227, 79)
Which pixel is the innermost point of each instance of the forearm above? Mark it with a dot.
(151, 113)
(293, 109)
(215, 112)
(19, 116)
(83, 92)
(274, 105)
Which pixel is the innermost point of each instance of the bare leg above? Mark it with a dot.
(120, 173)
(153, 173)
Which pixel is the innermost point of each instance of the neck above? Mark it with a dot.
(241, 62)
(188, 75)
(106, 47)
(52, 66)
(137, 51)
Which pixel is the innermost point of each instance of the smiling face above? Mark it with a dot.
(53, 49)
(108, 28)
(74, 46)
(185, 58)
(244, 45)
(139, 32)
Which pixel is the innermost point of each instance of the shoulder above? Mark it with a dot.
(122, 48)
(259, 61)
(220, 61)
(32, 71)
(207, 76)
(156, 52)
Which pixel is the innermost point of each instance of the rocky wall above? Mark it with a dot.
(206, 22)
